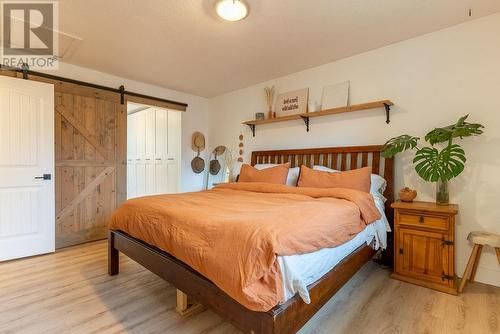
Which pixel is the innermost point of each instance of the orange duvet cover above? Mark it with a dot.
(233, 233)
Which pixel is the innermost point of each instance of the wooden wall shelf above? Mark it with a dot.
(306, 116)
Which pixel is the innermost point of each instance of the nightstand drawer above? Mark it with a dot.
(412, 219)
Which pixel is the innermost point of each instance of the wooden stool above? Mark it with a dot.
(479, 239)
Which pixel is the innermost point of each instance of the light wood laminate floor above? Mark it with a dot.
(70, 292)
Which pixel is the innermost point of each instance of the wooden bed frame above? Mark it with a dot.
(293, 314)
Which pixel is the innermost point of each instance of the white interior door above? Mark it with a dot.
(27, 199)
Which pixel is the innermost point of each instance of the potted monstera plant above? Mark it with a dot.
(442, 160)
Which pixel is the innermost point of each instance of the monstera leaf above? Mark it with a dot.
(460, 129)
(398, 144)
(432, 165)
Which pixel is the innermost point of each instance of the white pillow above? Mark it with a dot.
(377, 185)
(293, 173)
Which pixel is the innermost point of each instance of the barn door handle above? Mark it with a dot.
(44, 177)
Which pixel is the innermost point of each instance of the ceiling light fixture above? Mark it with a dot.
(232, 10)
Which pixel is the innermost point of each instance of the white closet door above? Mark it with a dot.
(161, 134)
(161, 174)
(131, 179)
(131, 137)
(154, 152)
(140, 172)
(150, 179)
(150, 129)
(140, 133)
(131, 155)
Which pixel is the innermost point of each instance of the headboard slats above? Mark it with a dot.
(300, 160)
(324, 160)
(376, 164)
(316, 159)
(343, 164)
(335, 159)
(354, 160)
(364, 161)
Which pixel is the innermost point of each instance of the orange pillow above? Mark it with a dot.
(358, 179)
(275, 175)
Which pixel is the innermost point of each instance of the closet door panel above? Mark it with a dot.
(150, 187)
(141, 179)
(131, 180)
(161, 174)
(161, 134)
(149, 138)
(131, 137)
(140, 133)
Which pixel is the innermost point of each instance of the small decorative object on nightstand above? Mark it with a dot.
(407, 195)
(424, 244)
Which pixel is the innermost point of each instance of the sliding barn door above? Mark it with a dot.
(90, 138)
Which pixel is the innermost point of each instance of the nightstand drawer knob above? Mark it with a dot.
(421, 220)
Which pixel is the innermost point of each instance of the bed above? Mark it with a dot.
(291, 315)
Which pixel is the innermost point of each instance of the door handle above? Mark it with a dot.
(171, 158)
(44, 177)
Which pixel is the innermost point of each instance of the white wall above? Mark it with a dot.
(194, 119)
(432, 79)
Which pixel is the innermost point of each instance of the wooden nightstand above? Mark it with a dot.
(424, 244)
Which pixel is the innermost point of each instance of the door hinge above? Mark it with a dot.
(445, 277)
(447, 243)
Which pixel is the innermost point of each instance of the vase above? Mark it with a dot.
(270, 112)
(442, 194)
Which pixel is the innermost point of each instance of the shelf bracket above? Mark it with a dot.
(387, 113)
(25, 69)
(252, 127)
(306, 122)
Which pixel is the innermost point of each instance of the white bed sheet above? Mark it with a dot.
(301, 270)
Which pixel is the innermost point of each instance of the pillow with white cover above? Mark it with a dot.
(378, 183)
(293, 173)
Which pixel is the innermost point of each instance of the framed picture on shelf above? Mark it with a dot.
(292, 103)
(335, 96)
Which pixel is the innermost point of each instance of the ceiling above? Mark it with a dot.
(182, 45)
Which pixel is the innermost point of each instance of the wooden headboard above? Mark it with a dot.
(340, 158)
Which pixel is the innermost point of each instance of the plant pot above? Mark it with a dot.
(442, 194)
